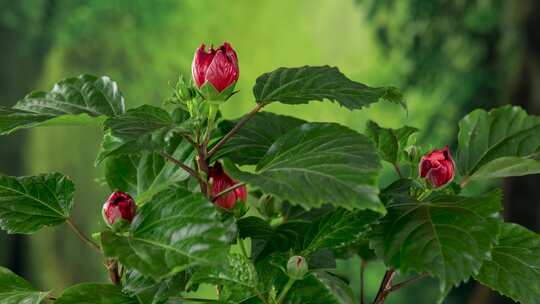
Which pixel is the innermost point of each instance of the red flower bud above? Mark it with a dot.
(437, 167)
(217, 66)
(220, 182)
(119, 206)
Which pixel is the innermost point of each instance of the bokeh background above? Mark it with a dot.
(448, 57)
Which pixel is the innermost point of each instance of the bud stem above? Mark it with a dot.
(464, 181)
(285, 290)
(81, 236)
(235, 129)
(231, 188)
(386, 286)
(186, 168)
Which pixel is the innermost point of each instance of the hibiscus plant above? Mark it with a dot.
(262, 206)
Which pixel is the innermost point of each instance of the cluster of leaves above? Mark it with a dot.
(315, 193)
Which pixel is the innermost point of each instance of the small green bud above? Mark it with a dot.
(297, 267)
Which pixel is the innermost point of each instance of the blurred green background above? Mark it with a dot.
(448, 57)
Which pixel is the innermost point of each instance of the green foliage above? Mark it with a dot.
(499, 143)
(145, 174)
(320, 287)
(390, 143)
(93, 293)
(445, 236)
(307, 83)
(16, 290)
(338, 229)
(319, 181)
(28, 204)
(237, 277)
(514, 269)
(150, 291)
(250, 143)
(319, 163)
(177, 229)
(139, 122)
(71, 101)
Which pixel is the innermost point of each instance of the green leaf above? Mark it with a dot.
(30, 203)
(502, 142)
(254, 227)
(285, 237)
(115, 146)
(177, 229)
(337, 229)
(389, 142)
(319, 163)
(514, 270)
(307, 83)
(94, 293)
(71, 101)
(150, 291)
(147, 174)
(320, 287)
(447, 237)
(251, 142)
(139, 122)
(121, 173)
(237, 277)
(16, 290)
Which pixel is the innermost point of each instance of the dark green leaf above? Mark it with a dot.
(150, 291)
(254, 227)
(283, 238)
(16, 290)
(93, 293)
(319, 163)
(307, 83)
(237, 277)
(139, 122)
(320, 287)
(115, 146)
(389, 142)
(502, 142)
(448, 237)
(177, 229)
(145, 175)
(337, 229)
(71, 101)
(251, 142)
(514, 270)
(28, 204)
(121, 173)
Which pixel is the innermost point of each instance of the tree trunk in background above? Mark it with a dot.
(21, 60)
(521, 194)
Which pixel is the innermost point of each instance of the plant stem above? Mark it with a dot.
(285, 290)
(235, 129)
(386, 285)
(464, 182)
(407, 282)
(363, 264)
(81, 236)
(112, 269)
(212, 112)
(179, 163)
(231, 188)
(398, 170)
(186, 168)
